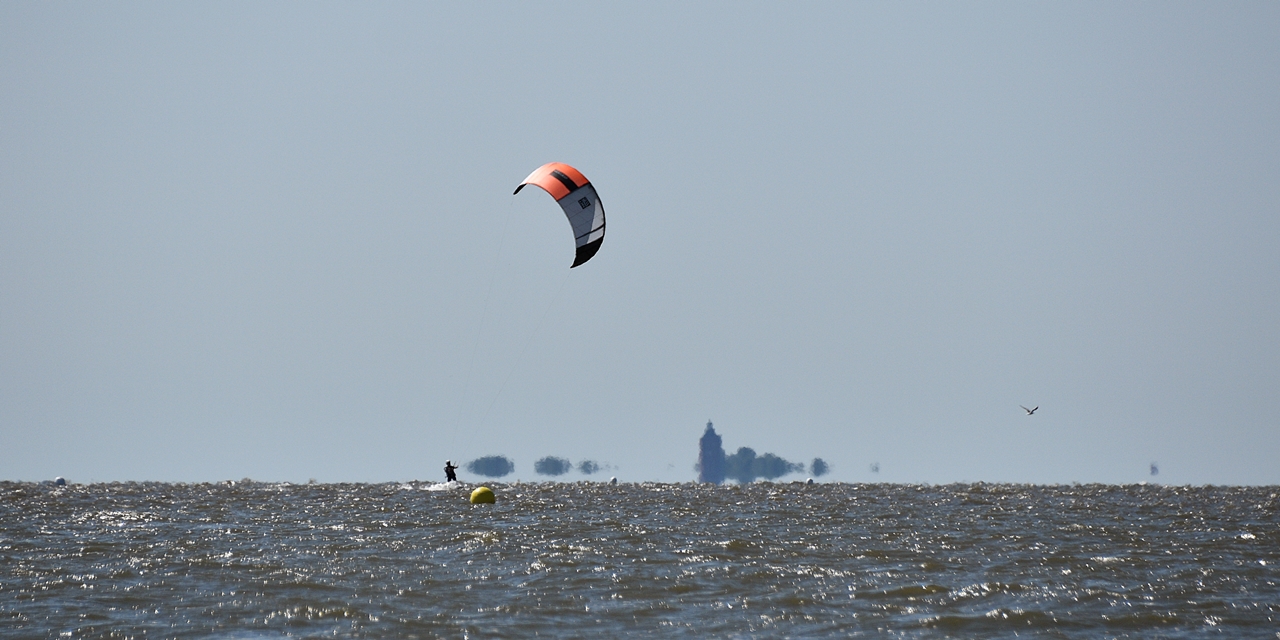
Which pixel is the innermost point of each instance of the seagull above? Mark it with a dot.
(1029, 411)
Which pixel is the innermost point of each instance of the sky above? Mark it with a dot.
(278, 240)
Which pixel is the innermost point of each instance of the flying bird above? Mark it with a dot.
(1029, 411)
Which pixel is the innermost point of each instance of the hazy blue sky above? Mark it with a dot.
(278, 240)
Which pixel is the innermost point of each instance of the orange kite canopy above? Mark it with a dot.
(580, 202)
(556, 178)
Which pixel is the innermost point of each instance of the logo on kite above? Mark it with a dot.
(568, 186)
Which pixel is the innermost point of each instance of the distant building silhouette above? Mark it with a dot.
(819, 467)
(552, 466)
(710, 457)
(491, 466)
(741, 465)
(745, 466)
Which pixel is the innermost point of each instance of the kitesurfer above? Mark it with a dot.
(448, 471)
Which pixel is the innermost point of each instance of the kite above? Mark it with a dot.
(580, 202)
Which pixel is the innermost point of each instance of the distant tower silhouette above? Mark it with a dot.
(710, 457)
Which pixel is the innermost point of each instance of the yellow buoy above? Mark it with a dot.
(483, 495)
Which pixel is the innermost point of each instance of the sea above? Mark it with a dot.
(590, 559)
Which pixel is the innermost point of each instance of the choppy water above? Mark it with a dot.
(254, 560)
